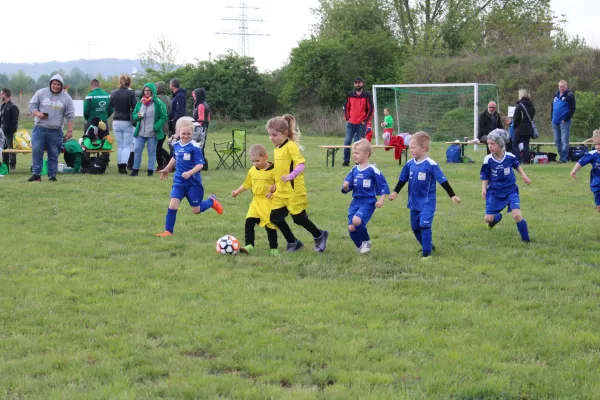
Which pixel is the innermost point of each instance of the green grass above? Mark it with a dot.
(93, 305)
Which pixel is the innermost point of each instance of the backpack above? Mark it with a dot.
(94, 165)
(575, 153)
(99, 144)
(453, 154)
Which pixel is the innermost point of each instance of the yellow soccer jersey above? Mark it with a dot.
(260, 181)
(286, 157)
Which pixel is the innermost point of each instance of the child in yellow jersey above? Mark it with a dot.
(260, 178)
(290, 192)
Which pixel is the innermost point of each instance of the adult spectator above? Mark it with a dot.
(563, 108)
(358, 111)
(488, 121)
(96, 104)
(150, 115)
(9, 122)
(202, 117)
(50, 107)
(178, 103)
(522, 125)
(162, 156)
(123, 101)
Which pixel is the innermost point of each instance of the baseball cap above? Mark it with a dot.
(358, 79)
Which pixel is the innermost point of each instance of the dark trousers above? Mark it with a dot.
(10, 159)
(526, 159)
(249, 230)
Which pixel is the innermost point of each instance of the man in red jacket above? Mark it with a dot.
(358, 110)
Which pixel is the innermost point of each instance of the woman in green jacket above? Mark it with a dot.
(150, 115)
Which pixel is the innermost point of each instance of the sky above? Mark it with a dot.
(117, 28)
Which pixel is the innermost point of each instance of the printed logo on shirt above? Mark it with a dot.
(506, 171)
(52, 103)
(366, 183)
(187, 156)
(422, 176)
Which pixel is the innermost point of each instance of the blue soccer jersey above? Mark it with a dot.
(593, 158)
(187, 156)
(499, 174)
(421, 177)
(367, 183)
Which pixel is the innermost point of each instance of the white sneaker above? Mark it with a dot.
(365, 247)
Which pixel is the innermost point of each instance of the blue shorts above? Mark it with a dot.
(597, 198)
(194, 194)
(421, 219)
(362, 209)
(495, 204)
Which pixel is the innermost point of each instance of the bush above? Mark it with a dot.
(587, 115)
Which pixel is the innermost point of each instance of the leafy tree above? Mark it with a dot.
(42, 81)
(587, 117)
(159, 59)
(21, 82)
(4, 80)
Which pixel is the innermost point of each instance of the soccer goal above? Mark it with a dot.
(447, 111)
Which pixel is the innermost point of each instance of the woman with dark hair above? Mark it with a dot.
(522, 125)
(123, 101)
(202, 119)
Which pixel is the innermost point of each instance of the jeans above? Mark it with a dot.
(526, 149)
(561, 138)
(140, 142)
(9, 159)
(124, 134)
(353, 131)
(45, 139)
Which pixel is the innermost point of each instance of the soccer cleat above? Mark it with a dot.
(296, 246)
(321, 241)
(274, 252)
(247, 249)
(365, 247)
(216, 204)
(527, 241)
(432, 249)
(164, 234)
(53, 179)
(427, 258)
(34, 178)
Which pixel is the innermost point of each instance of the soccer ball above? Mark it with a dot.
(228, 245)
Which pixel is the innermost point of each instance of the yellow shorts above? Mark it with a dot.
(261, 208)
(294, 204)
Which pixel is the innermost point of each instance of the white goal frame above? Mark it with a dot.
(475, 86)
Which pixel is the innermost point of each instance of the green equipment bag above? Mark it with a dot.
(4, 169)
(100, 144)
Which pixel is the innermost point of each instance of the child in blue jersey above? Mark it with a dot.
(187, 162)
(499, 186)
(421, 173)
(366, 183)
(593, 158)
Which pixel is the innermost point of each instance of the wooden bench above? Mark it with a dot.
(534, 146)
(333, 149)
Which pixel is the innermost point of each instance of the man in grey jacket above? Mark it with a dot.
(50, 106)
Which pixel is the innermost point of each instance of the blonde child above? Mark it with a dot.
(366, 183)
(421, 173)
(260, 178)
(498, 183)
(187, 161)
(387, 125)
(593, 158)
(290, 193)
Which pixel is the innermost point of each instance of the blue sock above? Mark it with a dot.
(206, 204)
(355, 236)
(418, 236)
(522, 226)
(427, 237)
(362, 231)
(170, 221)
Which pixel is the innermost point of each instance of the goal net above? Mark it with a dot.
(446, 111)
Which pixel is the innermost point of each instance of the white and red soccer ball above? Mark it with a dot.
(228, 245)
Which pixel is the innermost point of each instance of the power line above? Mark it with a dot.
(242, 32)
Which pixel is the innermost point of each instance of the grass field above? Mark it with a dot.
(93, 305)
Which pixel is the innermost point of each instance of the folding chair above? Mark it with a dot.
(230, 153)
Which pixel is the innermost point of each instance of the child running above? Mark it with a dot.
(366, 183)
(499, 186)
(290, 192)
(187, 162)
(421, 173)
(593, 158)
(260, 178)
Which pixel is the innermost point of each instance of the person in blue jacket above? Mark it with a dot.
(563, 108)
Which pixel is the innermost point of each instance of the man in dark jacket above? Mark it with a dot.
(488, 121)
(178, 104)
(9, 122)
(358, 111)
(563, 108)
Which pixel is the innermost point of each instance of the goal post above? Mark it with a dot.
(447, 111)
